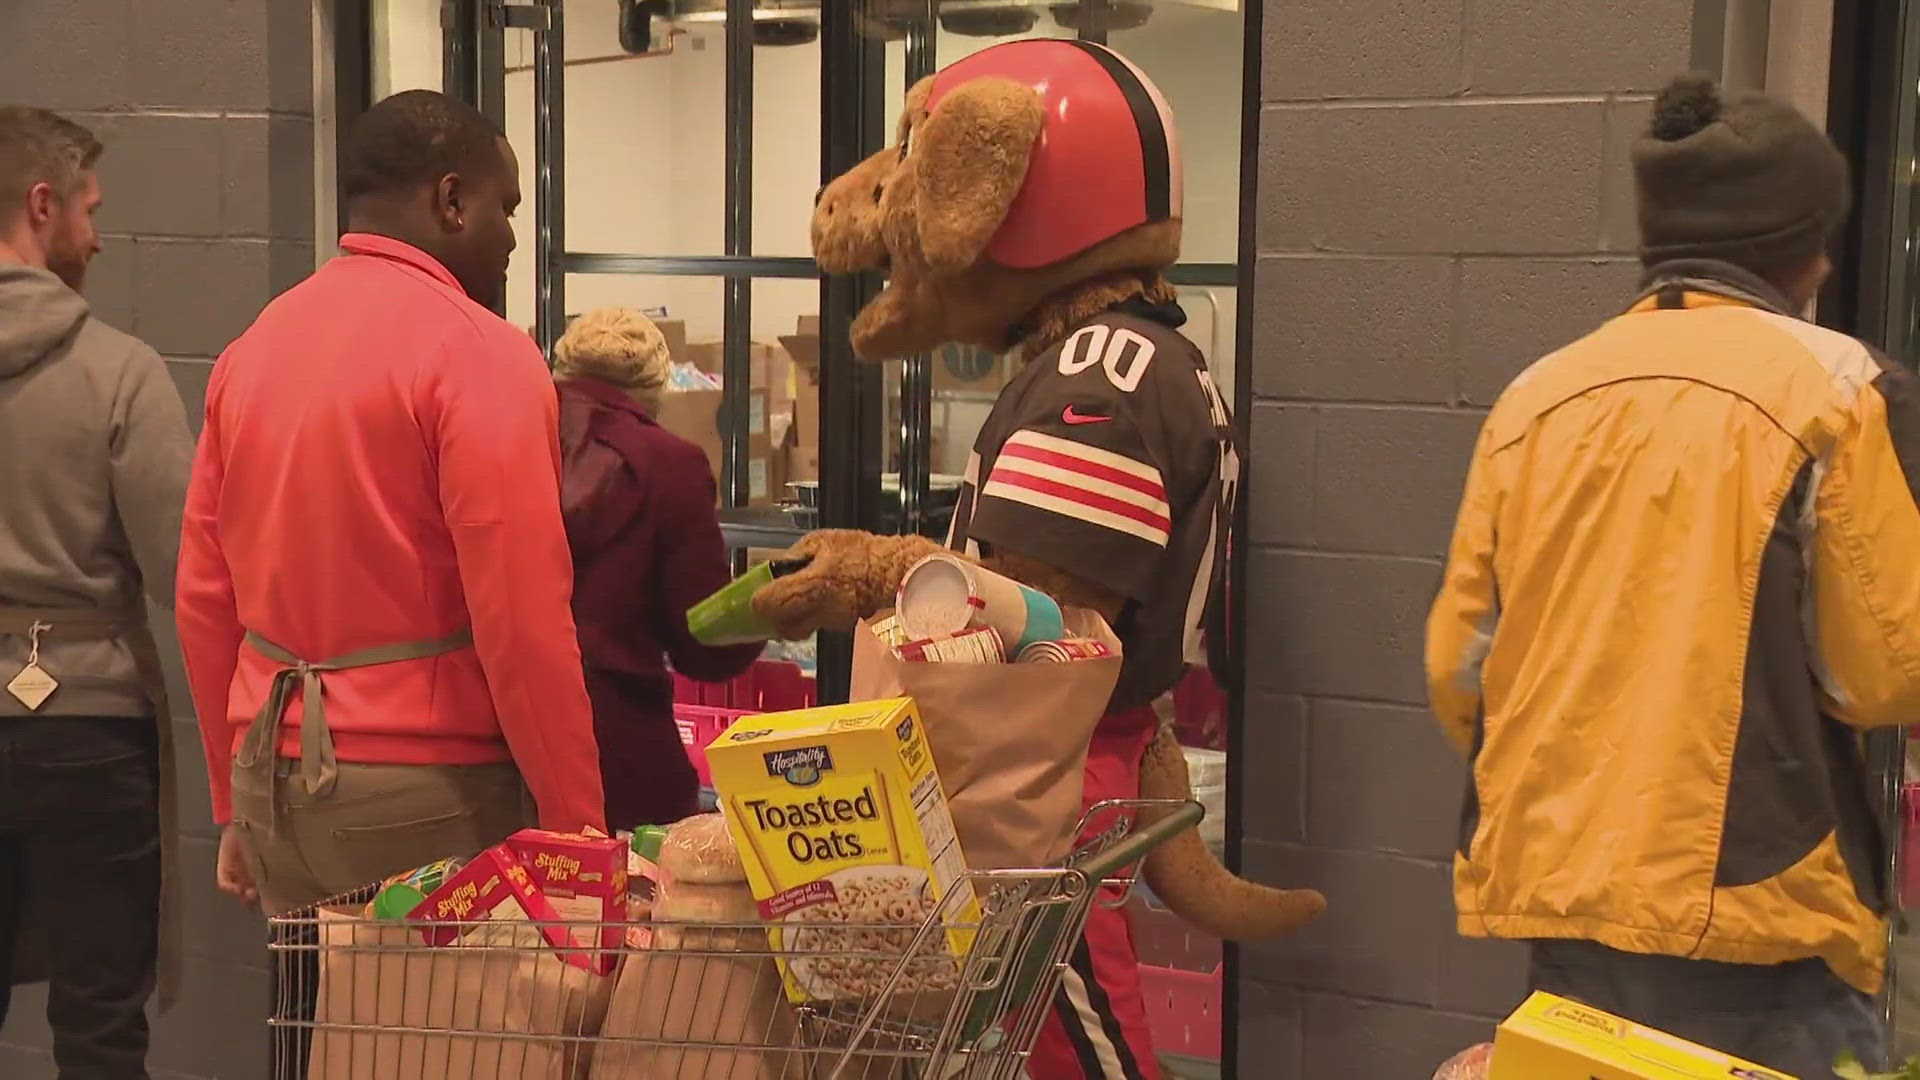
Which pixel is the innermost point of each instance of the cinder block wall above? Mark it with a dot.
(206, 108)
(1443, 197)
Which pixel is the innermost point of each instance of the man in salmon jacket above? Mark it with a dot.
(374, 581)
(1681, 586)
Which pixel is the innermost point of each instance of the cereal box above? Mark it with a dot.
(848, 845)
(1551, 1038)
(585, 879)
(494, 887)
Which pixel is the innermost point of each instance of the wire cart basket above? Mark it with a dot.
(888, 999)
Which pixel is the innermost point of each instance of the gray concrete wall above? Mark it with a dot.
(206, 108)
(1442, 198)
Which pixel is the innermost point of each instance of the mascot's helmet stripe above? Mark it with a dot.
(1108, 159)
(1155, 122)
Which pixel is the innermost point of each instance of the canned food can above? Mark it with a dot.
(981, 646)
(889, 632)
(1064, 652)
(942, 595)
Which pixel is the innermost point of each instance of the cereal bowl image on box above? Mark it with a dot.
(848, 941)
(847, 841)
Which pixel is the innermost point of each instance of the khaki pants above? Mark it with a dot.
(375, 821)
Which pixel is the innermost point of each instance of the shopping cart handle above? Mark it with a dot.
(1160, 825)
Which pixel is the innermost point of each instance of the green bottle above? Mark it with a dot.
(397, 901)
(727, 617)
(646, 842)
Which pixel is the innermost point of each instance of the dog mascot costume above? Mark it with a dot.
(1031, 204)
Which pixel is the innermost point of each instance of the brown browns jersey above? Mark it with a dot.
(1111, 457)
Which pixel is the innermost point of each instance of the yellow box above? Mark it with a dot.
(1551, 1038)
(840, 819)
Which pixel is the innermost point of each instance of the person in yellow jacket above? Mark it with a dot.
(1684, 580)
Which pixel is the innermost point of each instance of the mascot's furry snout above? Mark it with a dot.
(847, 218)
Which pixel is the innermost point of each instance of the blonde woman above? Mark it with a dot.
(639, 508)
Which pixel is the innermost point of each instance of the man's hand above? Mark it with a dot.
(230, 871)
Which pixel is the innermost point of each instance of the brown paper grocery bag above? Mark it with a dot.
(1010, 739)
(499, 1003)
(668, 1001)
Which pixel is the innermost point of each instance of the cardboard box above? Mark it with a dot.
(708, 356)
(675, 331)
(840, 818)
(585, 879)
(778, 375)
(766, 364)
(1551, 1038)
(494, 887)
(803, 456)
(804, 351)
(694, 415)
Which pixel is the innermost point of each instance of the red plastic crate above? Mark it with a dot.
(703, 710)
(700, 725)
(767, 686)
(1181, 980)
(1183, 1010)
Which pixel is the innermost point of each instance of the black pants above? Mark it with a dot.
(1796, 1017)
(80, 871)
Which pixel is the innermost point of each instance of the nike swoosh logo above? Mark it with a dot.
(1072, 417)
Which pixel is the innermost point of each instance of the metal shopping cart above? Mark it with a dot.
(359, 999)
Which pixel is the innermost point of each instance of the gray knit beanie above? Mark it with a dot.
(1736, 176)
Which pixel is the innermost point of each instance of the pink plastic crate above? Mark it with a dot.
(767, 686)
(700, 725)
(703, 710)
(1183, 1010)
(1181, 980)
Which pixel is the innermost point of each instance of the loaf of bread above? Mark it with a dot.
(692, 902)
(700, 850)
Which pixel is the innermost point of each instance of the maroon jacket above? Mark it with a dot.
(639, 508)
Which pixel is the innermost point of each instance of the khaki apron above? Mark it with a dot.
(131, 629)
(318, 766)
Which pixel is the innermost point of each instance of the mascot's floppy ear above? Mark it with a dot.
(970, 158)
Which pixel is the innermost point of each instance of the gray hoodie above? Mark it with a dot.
(94, 457)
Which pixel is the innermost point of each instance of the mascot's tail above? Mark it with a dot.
(1187, 877)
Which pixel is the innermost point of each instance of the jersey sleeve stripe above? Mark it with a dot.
(1075, 502)
(1004, 467)
(1090, 460)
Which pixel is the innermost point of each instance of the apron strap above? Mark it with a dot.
(318, 766)
(94, 621)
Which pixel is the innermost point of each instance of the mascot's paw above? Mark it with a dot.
(823, 595)
(850, 575)
(1187, 877)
